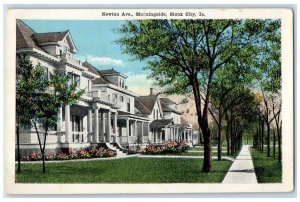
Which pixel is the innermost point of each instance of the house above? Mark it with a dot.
(165, 119)
(128, 127)
(108, 114)
(54, 51)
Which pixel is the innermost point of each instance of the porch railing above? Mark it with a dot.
(99, 95)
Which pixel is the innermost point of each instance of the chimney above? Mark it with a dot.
(151, 91)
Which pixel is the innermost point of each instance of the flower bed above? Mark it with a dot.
(169, 147)
(81, 154)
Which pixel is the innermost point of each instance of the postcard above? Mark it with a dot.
(109, 101)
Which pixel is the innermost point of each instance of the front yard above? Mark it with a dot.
(127, 170)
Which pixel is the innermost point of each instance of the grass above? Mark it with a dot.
(267, 169)
(128, 170)
(196, 151)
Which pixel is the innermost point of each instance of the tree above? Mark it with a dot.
(270, 78)
(28, 81)
(45, 101)
(183, 56)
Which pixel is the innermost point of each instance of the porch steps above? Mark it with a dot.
(115, 147)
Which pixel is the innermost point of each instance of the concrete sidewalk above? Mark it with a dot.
(242, 169)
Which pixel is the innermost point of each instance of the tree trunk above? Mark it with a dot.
(274, 144)
(268, 140)
(18, 144)
(220, 135)
(203, 124)
(228, 139)
(258, 135)
(207, 163)
(232, 138)
(279, 142)
(40, 143)
(44, 145)
(262, 136)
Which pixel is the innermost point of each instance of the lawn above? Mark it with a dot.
(127, 170)
(267, 169)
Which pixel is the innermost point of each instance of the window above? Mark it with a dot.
(74, 78)
(157, 114)
(115, 97)
(77, 123)
(121, 98)
(154, 114)
(128, 105)
(88, 87)
(46, 73)
(123, 84)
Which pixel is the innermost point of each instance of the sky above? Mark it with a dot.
(95, 41)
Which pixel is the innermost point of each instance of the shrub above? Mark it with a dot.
(169, 147)
(81, 154)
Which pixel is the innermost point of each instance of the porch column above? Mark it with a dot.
(96, 126)
(59, 120)
(115, 126)
(127, 129)
(90, 125)
(108, 135)
(148, 131)
(68, 137)
(135, 130)
(59, 125)
(142, 122)
(89, 120)
(102, 139)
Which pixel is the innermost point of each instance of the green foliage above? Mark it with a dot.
(40, 97)
(188, 56)
(128, 170)
(29, 82)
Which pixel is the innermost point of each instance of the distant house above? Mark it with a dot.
(165, 119)
(108, 114)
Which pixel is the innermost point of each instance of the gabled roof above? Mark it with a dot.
(111, 72)
(25, 36)
(94, 70)
(165, 107)
(145, 104)
(50, 36)
(28, 38)
(160, 123)
(167, 101)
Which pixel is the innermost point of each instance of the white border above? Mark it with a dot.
(287, 105)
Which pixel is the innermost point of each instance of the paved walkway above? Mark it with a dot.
(183, 157)
(242, 169)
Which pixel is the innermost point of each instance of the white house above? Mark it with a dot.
(108, 114)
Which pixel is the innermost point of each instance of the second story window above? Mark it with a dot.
(74, 78)
(121, 98)
(123, 85)
(115, 97)
(128, 105)
(46, 73)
